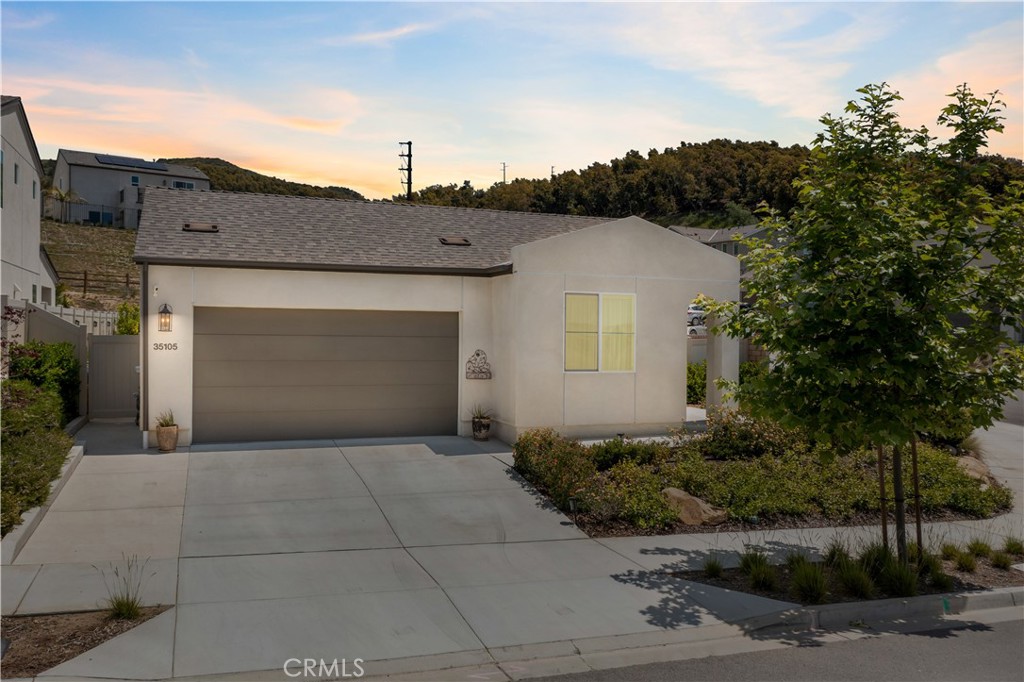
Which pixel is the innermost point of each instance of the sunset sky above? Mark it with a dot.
(322, 92)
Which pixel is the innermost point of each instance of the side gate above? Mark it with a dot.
(113, 379)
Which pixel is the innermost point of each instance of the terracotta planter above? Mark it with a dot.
(481, 428)
(167, 438)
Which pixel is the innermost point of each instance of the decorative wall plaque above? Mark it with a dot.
(477, 366)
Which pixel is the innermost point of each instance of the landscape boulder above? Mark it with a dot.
(976, 469)
(693, 511)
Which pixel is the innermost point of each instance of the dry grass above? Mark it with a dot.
(104, 252)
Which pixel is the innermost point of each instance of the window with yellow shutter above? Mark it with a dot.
(600, 332)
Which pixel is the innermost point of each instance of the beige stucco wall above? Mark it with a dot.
(665, 271)
(170, 371)
(517, 319)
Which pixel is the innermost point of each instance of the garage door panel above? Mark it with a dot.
(324, 398)
(286, 374)
(250, 426)
(254, 321)
(310, 373)
(278, 348)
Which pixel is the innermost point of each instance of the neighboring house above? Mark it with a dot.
(27, 273)
(724, 239)
(105, 189)
(296, 318)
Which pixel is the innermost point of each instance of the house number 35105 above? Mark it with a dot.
(165, 346)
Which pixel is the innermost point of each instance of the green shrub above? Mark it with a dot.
(795, 560)
(874, 559)
(944, 485)
(929, 565)
(631, 492)
(941, 581)
(713, 568)
(949, 551)
(559, 466)
(750, 559)
(1001, 560)
(809, 582)
(50, 365)
(127, 318)
(1014, 546)
(966, 562)
(752, 370)
(836, 553)
(979, 548)
(696, 382)
(734, 435)
(898, 579)
(959, 427)
(764, 577)
(27, 407)
(855, 580)
(33, 448)
(611, 452)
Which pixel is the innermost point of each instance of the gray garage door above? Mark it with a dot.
(295, 374)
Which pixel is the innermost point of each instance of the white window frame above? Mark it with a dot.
(600, 336)
(135, 181)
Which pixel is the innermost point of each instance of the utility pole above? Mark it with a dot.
(406, 168)
(504, 166)
(552, 172)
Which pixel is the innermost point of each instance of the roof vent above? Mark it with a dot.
(454, 241)
(200, 227)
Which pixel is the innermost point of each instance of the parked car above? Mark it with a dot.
(696, 330)
(695, 314)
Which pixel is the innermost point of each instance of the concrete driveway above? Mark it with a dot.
(340, 550)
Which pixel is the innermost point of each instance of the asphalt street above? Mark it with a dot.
(978, 653)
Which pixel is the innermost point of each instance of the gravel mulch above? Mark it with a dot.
(38, 643)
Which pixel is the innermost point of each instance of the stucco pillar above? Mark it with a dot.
(723, 361)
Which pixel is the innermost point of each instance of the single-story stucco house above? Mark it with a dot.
(294, 318)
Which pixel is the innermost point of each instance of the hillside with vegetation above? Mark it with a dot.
(719, 183)
(105, 253)
(226, 176)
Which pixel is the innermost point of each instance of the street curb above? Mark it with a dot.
(15, 541)
(833, 616)
(595, 653)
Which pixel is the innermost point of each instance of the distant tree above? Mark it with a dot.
(854, 292)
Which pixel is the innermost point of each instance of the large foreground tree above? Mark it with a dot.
(884, 299)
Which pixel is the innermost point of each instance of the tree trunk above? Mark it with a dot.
(917, 500)
(899, 502)
(882, 501)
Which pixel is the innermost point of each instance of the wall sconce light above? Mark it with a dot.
(165, 318)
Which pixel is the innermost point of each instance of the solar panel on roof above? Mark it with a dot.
(129, 162)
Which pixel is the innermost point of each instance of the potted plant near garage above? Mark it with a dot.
(166, 432)
(481, 423)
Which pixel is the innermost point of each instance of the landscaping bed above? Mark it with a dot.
(38, 643)
(874, 573)
(752, 474)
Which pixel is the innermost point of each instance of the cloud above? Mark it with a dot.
(989, 61)
(758, 50)
(13, 19)
(380, 38)
(160, 107)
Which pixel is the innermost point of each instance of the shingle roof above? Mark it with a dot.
(75, 158)
(715, 236)
(261, 230)
(7, 99)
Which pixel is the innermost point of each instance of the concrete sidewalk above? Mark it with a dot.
(391, 553)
